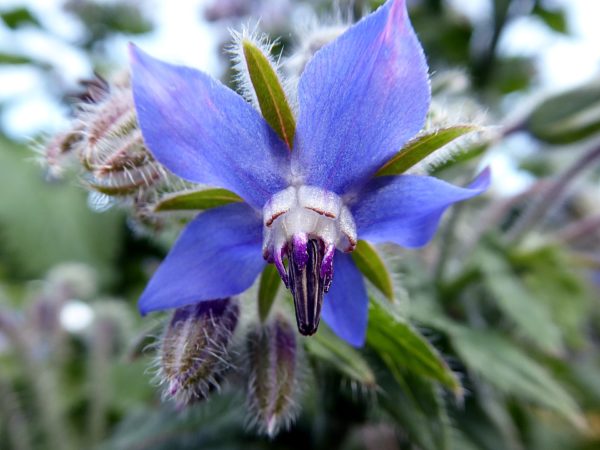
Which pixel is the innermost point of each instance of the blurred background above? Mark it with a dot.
(504, 301)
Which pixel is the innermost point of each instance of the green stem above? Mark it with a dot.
(581, 229)
(43, 381)
(447, 243)
(99, 363)
(484, 66)
(14, 419)
(549, 198)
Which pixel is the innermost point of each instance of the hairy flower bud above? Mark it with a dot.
(112, 149)
(106, 139)
(194, 349)
(58, 150)
(272, 384)
(311, 40)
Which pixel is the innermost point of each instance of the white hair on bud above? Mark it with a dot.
(450, 108)
(310, 33)
(449, 151)
(283, 388)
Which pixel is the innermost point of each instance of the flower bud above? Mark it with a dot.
(106, 138)
(311, 41)
(272, 383)
(194, 349)
(227, 9)
(58, 150)
(112, 149)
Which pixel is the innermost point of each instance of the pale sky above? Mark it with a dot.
(181, 37)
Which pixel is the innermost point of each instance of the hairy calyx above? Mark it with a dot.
(305, 225)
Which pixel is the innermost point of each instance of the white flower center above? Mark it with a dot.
(306, 224)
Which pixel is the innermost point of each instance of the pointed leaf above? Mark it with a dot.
(327, 347)
(269, 92)
(371, 265)
(267, 290)
(10, 58)
(197, 200)
(208, 425)
(18, 17)
(555, 19)
(404, 349)
(419, 409)
(421, 147)
(531, 316)
(568, 117)
(509, 369)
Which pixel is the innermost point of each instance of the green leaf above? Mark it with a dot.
(512, 297)
(269, 92)
(419, 409)
(18, 17)
(330, 349)
(568, 117)
(267, 290)
(371, 265)
(554, 19)
(550, 275)
(197, 200)
(216, 423)
(9, 58)
(511, 370)
(43, 224)
(423, 146)
(404, 349)
(513, 73)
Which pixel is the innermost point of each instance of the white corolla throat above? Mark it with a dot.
(306, 224)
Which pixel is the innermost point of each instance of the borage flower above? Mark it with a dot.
(360, 98)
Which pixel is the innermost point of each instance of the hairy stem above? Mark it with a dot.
(549, 198)
(44, 383)
(98, 366)
(14, 419)
(583, 228)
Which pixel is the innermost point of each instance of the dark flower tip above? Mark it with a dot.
(307, 284)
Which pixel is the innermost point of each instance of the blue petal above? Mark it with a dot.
(218, 255)
(346, 304)
(361, 98)
(406, 209)
(204, 132)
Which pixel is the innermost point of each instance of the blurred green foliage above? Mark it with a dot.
(43, 223)
(486, 339)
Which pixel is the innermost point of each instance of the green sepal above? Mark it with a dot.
(372, 267)
(197, 200)
(422, 146)
(269, 93)
(267, 290)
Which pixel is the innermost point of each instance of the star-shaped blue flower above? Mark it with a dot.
(360, 99)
